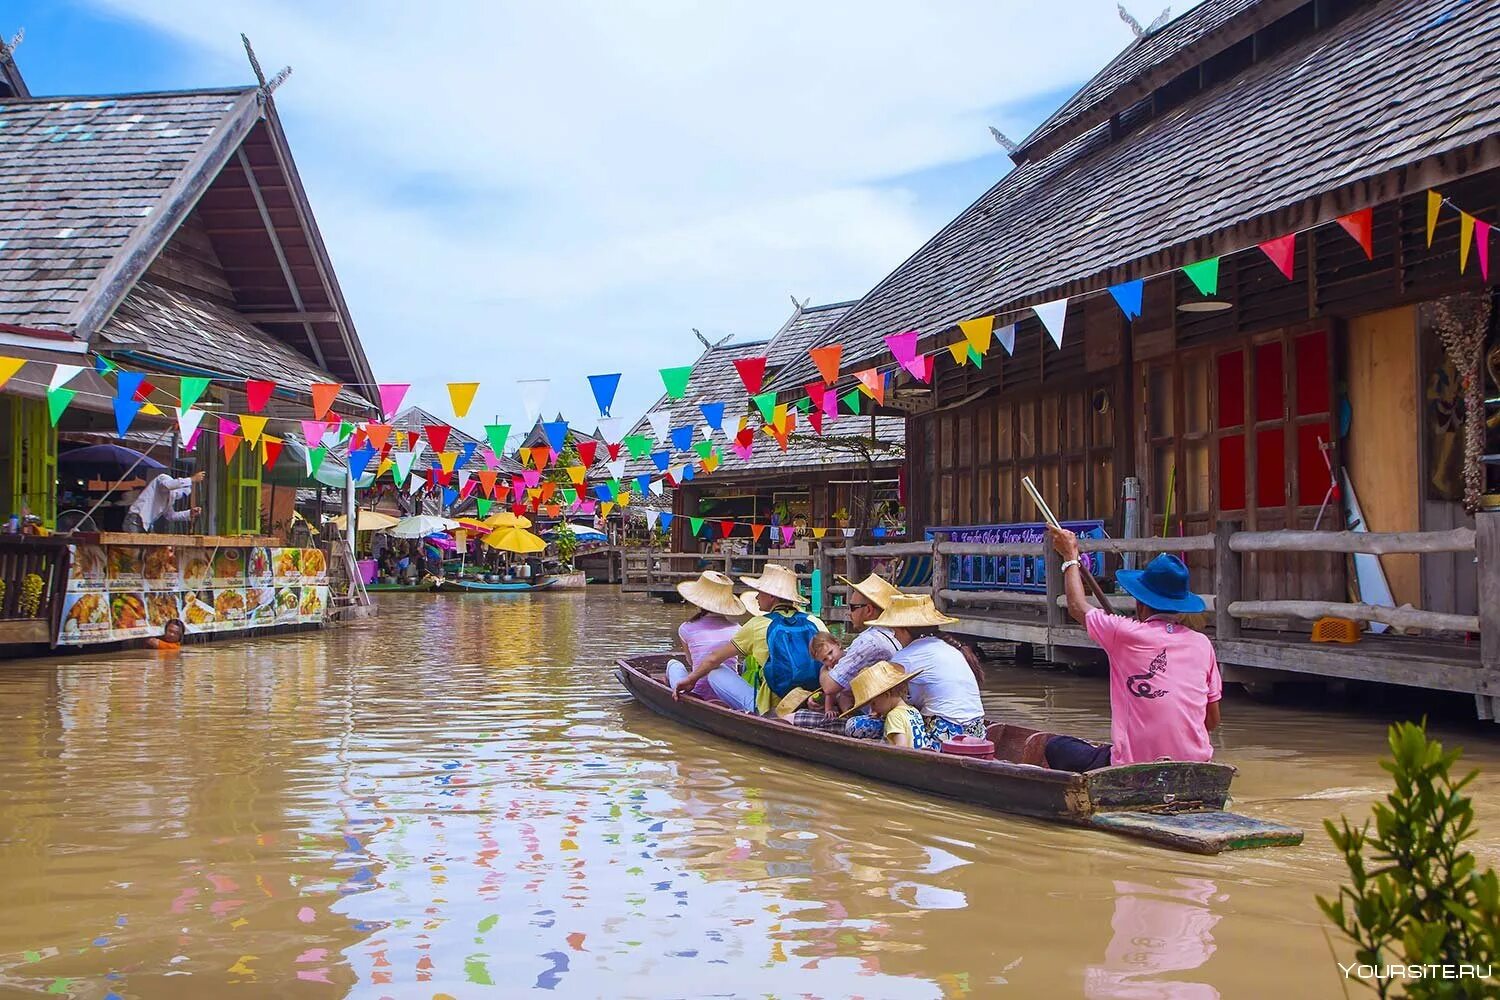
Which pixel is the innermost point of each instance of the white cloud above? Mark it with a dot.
(516, 190)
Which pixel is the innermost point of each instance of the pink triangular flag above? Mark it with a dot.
(1283, 253)
(228, 426)
(391, 395)
(530, 478)
(903, 347)
(1482, 244)
(313, 432)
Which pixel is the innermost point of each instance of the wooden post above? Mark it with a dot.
(1487, 549)
(1055, 613)
(1227, 581)
(939, 568)
(823, 566)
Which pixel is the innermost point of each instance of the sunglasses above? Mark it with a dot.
(856, 607)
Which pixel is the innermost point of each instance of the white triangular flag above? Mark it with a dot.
(417, 482)
(616, 468)
(187, 423)
(416, 451)
(1007, 337)
(609, 429)
(62, 375)
(660, 422)
(533, 391)
(463, 480)
(676, 473)
(403, 461)
(707, 432)
(1053, 315)
(651, 517)
(657, 487)
(848, 532)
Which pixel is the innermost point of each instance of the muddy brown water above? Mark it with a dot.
(457, 799)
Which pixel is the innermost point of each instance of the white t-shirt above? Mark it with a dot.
(947, 686)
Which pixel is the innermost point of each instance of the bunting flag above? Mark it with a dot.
(659, 423)
(258, 393)
(1465, 240)
(487, 479)
(533, 392)
(742, 449)
(450, 496)
(557, 434)
(1283, 253)
(125, 410)
(651, 518)
(1434, 203)
(323, 396)
(609, 429)
(711, 461)
(642, 483)
(228, 426)
(466, 452)
(1053, 315)
(447, 460)
(313, 432)
(816, 419)
(483, 507)
(903, 347)
(359, 461)
(570, 495)
(726, 528)
(402, 461)
(1482, 241)
(8, 368)
(231, 444)
(497, 434)
(872, 382)
(819, 532)
(345, 429)
(682, 437)
(1128, 296)
(378, 434)
(657, 488)
(614, 451)
(976, 358)
(252, 427)
(827, 359)
(960, 351)
(688, 472)
(1204, 275)
(852, 399)
(1361, 226)
(187, 424)
(752, 373)
(639, 445)
(416, 484)
(978, 332)
(696, 523)
(779, 417)
(661, 459)
(315, 458)
(391, 395)
(437, 435)
(587, 450)
(605, 507)
(676, 380)
(62, 375)
(713, 415)
(103, 365)
(270, 450)
(461, 395)
(704, 449)
(464, 479)
(787, 531)
(576, 473)
(190, 389)
(616, 468)
(766, 404)
(1007, 337)
(605, 387)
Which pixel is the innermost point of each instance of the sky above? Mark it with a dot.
(552, 190)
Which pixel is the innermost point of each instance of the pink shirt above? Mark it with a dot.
(1162, 677)
(701, 636)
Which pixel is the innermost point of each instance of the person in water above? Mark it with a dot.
(773, 646)
(881, 690)
(872, 643)
(171, 635)
(1164, 682)
(712, 594)
(947, 690)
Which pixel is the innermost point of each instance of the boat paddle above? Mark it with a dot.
(1056, 525)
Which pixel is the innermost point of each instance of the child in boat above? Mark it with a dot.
(828, 651)
(171, 636)
(881, 690)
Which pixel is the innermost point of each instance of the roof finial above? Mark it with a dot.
(16, 39)
(1004, 140)
(266, 87)
(702, 339)
(1135, 26)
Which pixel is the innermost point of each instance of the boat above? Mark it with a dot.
(1174, 804)
(567, 581)
(399, 588)
(480, 587)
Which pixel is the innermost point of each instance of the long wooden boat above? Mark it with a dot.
(480, 587)
(420, 587)
(1173, 803)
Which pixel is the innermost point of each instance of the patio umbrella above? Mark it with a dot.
(422, 525)
(513, 539)
(111, 456)
(505, 519)
(367, 520)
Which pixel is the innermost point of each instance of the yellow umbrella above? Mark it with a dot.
(513, 539)
(505, 519)
(367, 520)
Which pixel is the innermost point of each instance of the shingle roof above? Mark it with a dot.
(1391, 85)
(77, 176)
(715, 380)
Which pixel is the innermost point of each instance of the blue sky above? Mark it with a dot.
(518, 191)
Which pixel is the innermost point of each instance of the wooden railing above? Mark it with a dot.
(21, 556)
(652, 570)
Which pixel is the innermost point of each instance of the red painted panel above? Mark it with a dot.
(1312, 373)
(1269, 384)
(1270, 468)
(1232, 472)
(1230, 411)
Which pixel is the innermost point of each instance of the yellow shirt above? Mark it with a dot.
(899, 720)
(750, 639)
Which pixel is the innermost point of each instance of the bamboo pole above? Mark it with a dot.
(1056, 525)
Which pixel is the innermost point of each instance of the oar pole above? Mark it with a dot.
(1053, 522)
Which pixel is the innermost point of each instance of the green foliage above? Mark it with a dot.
(1415, 895)
(566, 542)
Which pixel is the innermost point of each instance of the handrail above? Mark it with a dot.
(1375, 543)
(1406, 618)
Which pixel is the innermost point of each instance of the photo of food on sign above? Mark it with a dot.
(197, 613)
(287, 565)
(260, 608)
(229, 567)
(260, 565)
(127, 614)
(124, 566)
(288, 603)
(161, 568)
(162, 608)
(313, 599)
(85, 617)
(195, 568)
(229, 607)
(314, 566)
(87, 568)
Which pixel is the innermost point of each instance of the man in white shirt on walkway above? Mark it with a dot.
(158, 499)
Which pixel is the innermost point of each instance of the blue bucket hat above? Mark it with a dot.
(1162, 585)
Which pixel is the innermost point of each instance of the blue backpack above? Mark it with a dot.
(791, 661)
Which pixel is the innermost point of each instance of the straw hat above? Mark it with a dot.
(795, 698)
(879, 590)
(751, 604)
(712, 591)
(875, 680)
(778, 581)
(912, 611)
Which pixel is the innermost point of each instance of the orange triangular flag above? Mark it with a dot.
(1361, 226)
(323, 395)
(960, 351)
(487, 479)
(756, 530)
(1434, 203)
(1465, 240)
(552, 510)
(378, 434)
(253, 426)
(872, 383)
(827, 359)
(231, 444)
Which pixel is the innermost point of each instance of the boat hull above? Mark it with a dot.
(477, 587)
(1176, 789)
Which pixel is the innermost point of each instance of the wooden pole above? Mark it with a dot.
(1083, 567)
(1487, 547)
(1226, 580)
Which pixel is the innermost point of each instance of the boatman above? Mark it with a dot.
(1164, 684)
(156, 502)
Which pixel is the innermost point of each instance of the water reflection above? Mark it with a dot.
(458, 798)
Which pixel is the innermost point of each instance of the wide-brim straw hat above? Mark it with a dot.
(712, 591)
(875, 680)
(778, 581)
(912, 611)
(750, 602)
(879, 590)
(793, 700)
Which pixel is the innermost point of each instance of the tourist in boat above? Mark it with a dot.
(881, 690)
(947, 690)
(1164, 683)
(773, 646)
(872, 643)
(713, 625)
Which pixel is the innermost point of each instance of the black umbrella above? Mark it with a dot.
(111, 456)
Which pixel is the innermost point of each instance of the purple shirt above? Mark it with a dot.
(701, 636)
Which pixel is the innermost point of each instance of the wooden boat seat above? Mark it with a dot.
(1018, 744)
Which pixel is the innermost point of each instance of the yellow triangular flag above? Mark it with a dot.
(960, 351)
(1434, 202)
(8, 368)
(711, 462)
(462, 396)
(778, 416)
(819, 532)
(977, 332)
(386, 465)
(624, 498)
(149, 409)
(252, 426)
(447, 459)
(605, 506)
(525, 455)
(1465, 240)
(576, 473)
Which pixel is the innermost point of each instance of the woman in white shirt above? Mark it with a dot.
(947, 691)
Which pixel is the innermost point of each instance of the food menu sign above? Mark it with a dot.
(117, 592)
(1010, 572)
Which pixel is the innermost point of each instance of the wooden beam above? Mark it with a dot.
(291, 317)
(286, 269)
(1407, 618)
(1377, 543)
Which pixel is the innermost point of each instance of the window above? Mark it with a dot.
(240, 512)
(28, 467)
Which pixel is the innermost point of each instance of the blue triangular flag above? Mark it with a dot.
(557, 434)
(642, 484)
(360, 460)
(602, 492)
(682, 437)
(666, 521)
(1128, 296)
(713, 415)
(467, 453)
(125, 410)
(128, 384)
(687, 473)
(662, 459)
(604, 387)
(449, 496)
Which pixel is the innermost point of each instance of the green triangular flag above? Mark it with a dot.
(804, 404)
(704, 448)
(570, 494)
(766, 403)
(345, 429)
(315, 460)
(851, 400)
(676, 380)
(696, 523)
(497, 433)
(976, 357)
(614, 489)
(638, 445)
(483, 506)
(191, 388)
(1205, 275)
(58, 400)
